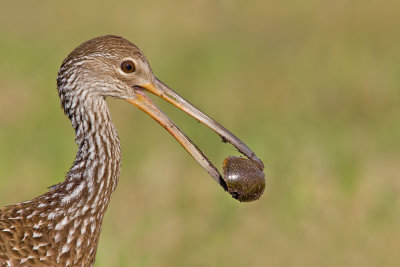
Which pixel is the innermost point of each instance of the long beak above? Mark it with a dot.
(158, 88)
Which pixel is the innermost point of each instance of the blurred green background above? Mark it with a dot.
(313, 87)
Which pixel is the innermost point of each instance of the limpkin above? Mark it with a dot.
(62, 227)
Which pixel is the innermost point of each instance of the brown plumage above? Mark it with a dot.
(62, 227)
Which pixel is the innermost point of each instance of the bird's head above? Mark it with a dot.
(105, 66)
(113, 66)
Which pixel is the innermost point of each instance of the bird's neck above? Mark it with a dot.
(82, 199)
(97, 162)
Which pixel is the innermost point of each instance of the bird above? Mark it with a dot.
(62, 227)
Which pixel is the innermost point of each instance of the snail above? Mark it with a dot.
(244, 178)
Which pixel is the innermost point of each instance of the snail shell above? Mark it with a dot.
(244, 178)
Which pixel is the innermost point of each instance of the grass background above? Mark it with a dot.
(313, 87)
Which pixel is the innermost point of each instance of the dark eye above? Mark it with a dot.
(128, 66)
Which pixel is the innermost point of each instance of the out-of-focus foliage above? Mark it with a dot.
(311, 86)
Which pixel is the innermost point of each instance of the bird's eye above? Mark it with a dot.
(128, 66)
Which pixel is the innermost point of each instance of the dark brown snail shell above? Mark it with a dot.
(244, 178)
